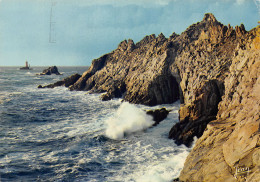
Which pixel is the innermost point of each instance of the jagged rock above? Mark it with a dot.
(195, 116)
(240, 30)
(232, 141)
(65, 82)
(126, 45)
(50, 70)
(173, 35)
(138, 73)
(96, 65)
(202, 73)
(158, 115)
(146, 40)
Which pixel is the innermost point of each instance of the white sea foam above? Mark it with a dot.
(164, 171)
(128, 119)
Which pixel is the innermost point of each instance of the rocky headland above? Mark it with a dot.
(214, 70)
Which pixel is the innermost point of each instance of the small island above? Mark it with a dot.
(51, 70)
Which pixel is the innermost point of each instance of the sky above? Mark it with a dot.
(74, 32)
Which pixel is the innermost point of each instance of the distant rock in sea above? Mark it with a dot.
(50, 70)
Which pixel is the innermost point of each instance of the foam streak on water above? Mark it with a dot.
(58, 135)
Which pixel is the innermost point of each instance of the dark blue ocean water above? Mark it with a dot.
(59, 135)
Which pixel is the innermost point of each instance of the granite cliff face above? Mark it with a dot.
(214, 70)
(231, 142)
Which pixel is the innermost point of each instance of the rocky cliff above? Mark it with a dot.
(214, 70)
(137, 72)
(229, 149)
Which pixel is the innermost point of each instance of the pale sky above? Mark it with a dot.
(87, 29)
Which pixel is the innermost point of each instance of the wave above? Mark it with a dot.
(128, 119)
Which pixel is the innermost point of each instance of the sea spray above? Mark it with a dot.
(127, 119)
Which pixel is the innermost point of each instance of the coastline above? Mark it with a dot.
(206, 67)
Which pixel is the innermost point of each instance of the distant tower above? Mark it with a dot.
(52, 33)
(26, 64)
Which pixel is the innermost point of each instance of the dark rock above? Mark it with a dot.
(158, 115)
(50, 70)
(117, 90)
(195, 117)
(71, 79)
(177, 180)
(184, 132)
(65, 82)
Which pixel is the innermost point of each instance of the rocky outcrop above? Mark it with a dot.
(231, 143)
(50, 70)
(158, 115)
(139, 73)
(203, 64)
(67, 82)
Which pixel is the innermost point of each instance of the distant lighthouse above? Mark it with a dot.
(27, 67)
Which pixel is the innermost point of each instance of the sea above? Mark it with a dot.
(61, 135)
